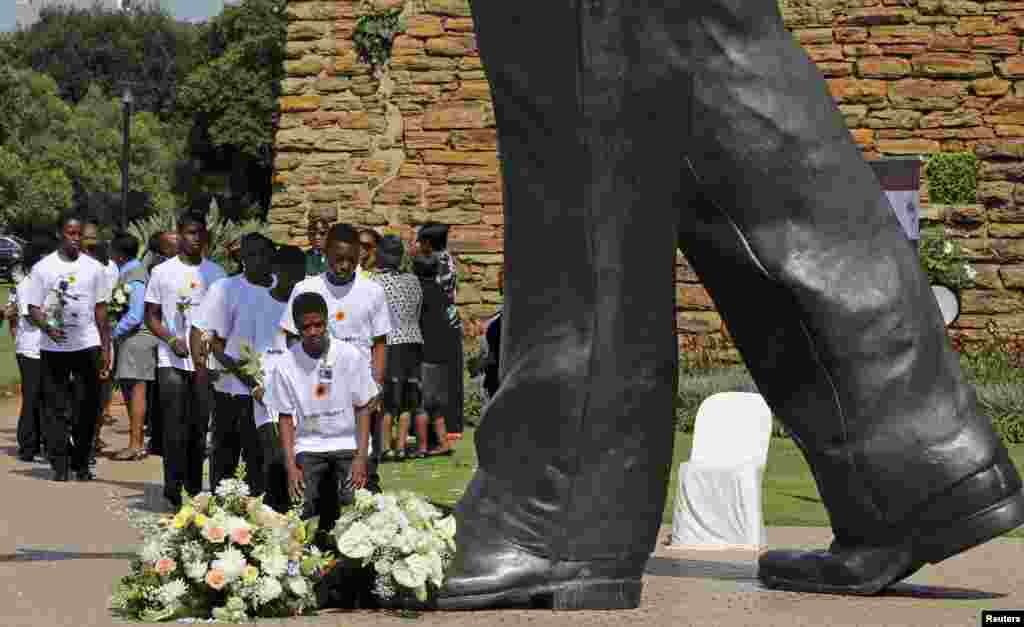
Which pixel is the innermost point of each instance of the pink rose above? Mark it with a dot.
(165, 566)
(241, 535)
(215, 578)
(214, 533)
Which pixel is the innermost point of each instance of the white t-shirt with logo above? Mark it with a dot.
(26, 334)
(240, 312)
(79, 285)
(357, 312)
(271, 356)
(321, 395)
(179, 289)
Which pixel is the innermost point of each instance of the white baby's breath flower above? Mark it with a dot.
(971, 272)
(268, 590)
(446, 527)
(232, 488)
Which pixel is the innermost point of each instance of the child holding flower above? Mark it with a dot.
(321, 390)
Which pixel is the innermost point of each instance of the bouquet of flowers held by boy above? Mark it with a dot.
(119, 300)
(407, 541)
(225, 556)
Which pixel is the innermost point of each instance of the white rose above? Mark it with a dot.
(446, 527)
(410, 572)
(356, 541)
(298, 586)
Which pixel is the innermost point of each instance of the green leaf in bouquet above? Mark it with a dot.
(312, 526)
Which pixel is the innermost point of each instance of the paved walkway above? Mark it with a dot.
(63, 545)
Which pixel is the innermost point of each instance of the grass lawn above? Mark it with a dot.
(791, 498)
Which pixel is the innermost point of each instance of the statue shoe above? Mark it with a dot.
(976, 510)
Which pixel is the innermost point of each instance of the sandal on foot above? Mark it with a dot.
(441, 452)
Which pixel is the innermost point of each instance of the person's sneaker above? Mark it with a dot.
(84, 475)
(61, 475)
(27, 457)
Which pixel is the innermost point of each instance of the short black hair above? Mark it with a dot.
(435, 233)
(191, 216)
(102, 252)
(69, 216)
(342, 232)
(125, 245)
(374, 234)
(307, 303)
(93, 220)
(289, 256)
(256, 237)
(426, 266)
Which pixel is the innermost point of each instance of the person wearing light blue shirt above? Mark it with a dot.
(136, 345)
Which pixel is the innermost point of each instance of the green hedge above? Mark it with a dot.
(952, 178)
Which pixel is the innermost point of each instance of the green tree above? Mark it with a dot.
(232, 93)
(106, 47)
(54, 155)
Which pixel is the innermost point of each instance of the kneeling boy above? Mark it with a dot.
(321, 389)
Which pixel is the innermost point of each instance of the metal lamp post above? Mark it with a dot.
(127, 99)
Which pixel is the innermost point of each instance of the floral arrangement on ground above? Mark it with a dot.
(225, 556)
(407, 541)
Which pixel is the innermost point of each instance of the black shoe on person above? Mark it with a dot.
(84, 475)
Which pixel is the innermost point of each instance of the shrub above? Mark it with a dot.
(943, 260)
(952, 178)
(222, 232)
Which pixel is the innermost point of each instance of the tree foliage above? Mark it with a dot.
(100, 46)
(54, 155)
(232, 93)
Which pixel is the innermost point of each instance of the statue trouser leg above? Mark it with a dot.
(620, 125)
(833, 314)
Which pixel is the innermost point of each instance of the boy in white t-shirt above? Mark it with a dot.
(357, 307)
(67, 299)
(174, 294)
(322, 389)
(290, 265)
(234, 314)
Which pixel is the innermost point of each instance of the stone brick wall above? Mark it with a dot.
(417, 142)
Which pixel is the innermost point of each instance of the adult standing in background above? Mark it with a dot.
(433, 238)
(316, 231)
(67, 299)
(369, 240)
(135, 362)
(32, 427)
(100, 251)
(175, 291)
(162, 246)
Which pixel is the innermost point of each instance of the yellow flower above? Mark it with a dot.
(300, 533)
(251, 573)
(180, 521)
(200, 520)
(71, 279)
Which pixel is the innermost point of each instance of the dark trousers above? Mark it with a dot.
(31, 426)
(155, 417)
(234, 437)
(79, 422)
(329, 486)
(275, 474)
(456, 397)
(186, 413)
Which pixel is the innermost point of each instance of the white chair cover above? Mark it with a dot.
(718, 503)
